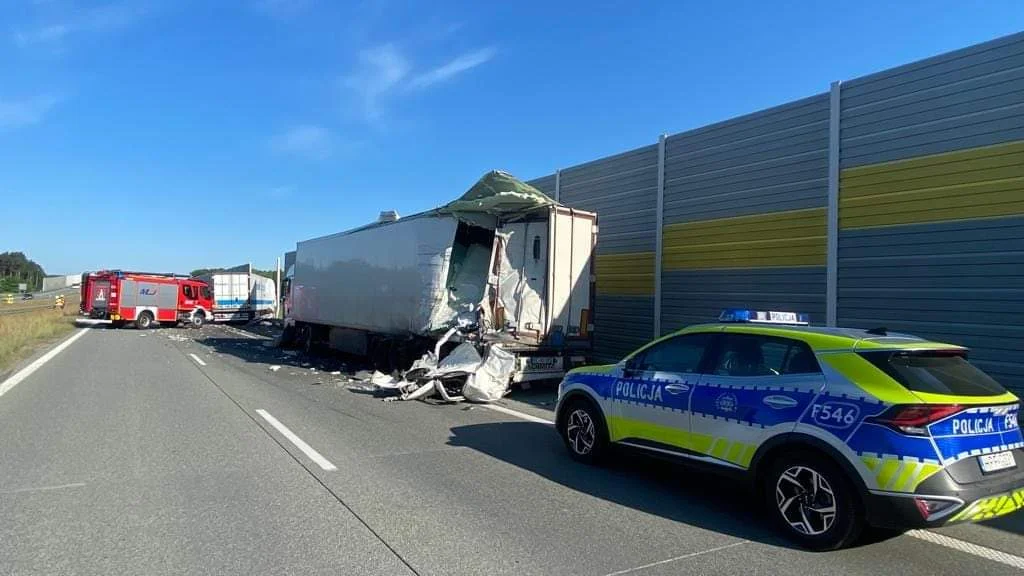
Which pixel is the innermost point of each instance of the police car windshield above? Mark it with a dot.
(935, 373)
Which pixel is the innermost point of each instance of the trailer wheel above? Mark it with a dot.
(144, 320)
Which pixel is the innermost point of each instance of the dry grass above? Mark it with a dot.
(21, 333)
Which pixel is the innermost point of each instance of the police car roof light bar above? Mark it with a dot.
(763, 317)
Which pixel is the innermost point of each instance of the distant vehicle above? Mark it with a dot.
(27, 296)
(838, 428)
(503, 258)
(241, 296)
(144, 299)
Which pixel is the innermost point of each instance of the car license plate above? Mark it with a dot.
(997, 461)
(541, 362)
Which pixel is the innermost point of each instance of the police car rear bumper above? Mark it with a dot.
(942, 500)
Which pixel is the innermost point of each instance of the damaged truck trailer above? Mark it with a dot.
(504, 265)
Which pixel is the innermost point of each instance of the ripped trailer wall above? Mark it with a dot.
(515, 262)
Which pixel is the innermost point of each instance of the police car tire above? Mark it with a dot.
(848, 522)
(598, 446)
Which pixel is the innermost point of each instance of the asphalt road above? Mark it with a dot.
(126, 454)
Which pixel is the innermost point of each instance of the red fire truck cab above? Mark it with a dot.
(144, 299)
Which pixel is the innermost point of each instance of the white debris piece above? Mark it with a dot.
(335, 373)
(490, 381)
(381, 380)
(274, 368)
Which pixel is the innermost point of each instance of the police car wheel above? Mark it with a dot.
(584, 433)
(812, 502)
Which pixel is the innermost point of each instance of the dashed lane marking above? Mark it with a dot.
(298, 442)
(197, 359)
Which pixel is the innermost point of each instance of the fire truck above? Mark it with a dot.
(145, 298)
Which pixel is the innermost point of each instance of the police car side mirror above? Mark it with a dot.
(630, 366)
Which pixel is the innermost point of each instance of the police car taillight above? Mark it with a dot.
(763, 316)
(929, 508)
(913, 419)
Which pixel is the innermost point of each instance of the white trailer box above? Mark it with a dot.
(241, 296)
(503, 254)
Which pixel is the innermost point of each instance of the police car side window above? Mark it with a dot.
(681, 354)
(753, 355)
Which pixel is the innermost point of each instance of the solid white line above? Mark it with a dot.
(197, 359)
(299, 443)
(683, 557)
(517, 414)
(969, 548)
(43, 488)
(28, 370)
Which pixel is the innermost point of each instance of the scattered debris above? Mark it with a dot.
(335, 373)
(312, 369)
(266, 323)
(461, 375)
(177, 338)
(274, 368)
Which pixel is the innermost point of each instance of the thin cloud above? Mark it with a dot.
(308, 141)
(100, 19)
(384, 70)
(379, 71)
(453, 68)
(14, 113)
(45, 35)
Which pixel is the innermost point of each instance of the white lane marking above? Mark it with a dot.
(299, 442)
(683, 557)
(197, 359)
(43, 488)
(969, 548)
(242, 333)
(517, 414)
(28, 370)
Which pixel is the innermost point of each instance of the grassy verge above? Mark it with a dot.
(21, 333)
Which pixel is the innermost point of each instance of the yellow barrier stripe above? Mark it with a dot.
(625, 274)
(965, 155)
(778, 239)
(985, 182)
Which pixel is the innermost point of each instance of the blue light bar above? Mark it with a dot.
(763, 317)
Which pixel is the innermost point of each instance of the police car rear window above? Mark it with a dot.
(935, 373)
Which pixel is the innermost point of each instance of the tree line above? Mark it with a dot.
(16, 269)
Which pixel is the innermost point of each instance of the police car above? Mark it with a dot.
(840, 428)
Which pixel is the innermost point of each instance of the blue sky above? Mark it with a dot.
(173, 134)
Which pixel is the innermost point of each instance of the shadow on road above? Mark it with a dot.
(257, 351)
(1013, 523)
(654, 486)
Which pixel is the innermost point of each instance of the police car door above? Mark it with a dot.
(651, 401)
(755, 387)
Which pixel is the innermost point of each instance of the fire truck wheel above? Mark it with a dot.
(144, 321)
(198, 319)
